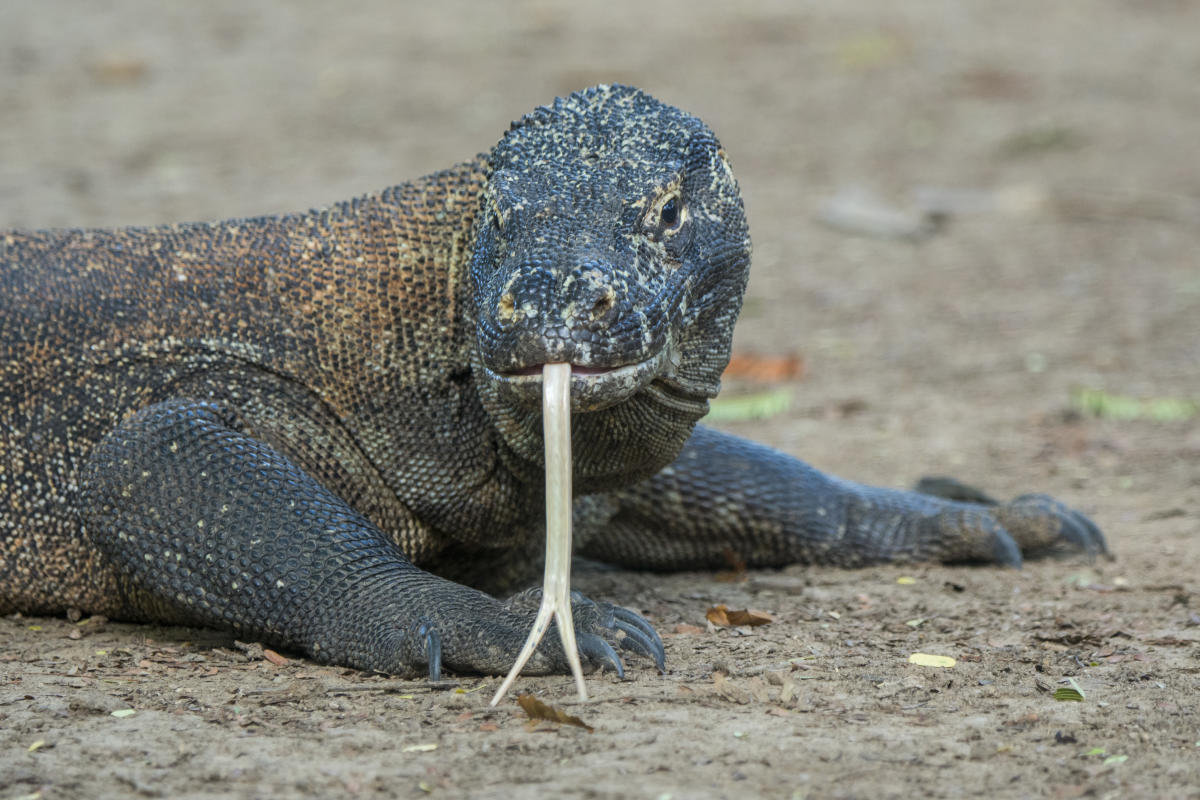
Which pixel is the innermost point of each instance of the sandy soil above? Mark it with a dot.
(1069, 133)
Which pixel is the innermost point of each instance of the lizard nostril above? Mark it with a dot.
(604, 303)
(506, 308)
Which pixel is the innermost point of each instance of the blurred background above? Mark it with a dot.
(965, 215)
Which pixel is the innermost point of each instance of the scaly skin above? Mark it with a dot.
(323, 430)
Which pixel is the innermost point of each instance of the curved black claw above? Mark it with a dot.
(640, 636)
(1005, 549)
(595, 649)
(433, 649)
(1079, 531)
(1097, 538)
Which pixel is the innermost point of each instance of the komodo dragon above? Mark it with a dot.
(323, 430)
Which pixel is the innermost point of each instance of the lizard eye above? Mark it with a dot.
(665, 218)
(670, 213)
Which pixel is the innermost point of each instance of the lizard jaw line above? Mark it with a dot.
(592, 388)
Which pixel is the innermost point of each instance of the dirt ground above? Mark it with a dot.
(1062, 143)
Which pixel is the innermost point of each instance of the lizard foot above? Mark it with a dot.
(478, 634)
(598, 626)
(1029, 526)
(1041, 525)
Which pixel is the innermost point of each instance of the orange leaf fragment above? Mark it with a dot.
(722, 615)
(274, 658)
(764, 368)
(537, 710)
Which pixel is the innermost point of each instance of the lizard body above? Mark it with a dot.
(323, 429)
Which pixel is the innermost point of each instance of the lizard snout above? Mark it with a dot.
(587, 297)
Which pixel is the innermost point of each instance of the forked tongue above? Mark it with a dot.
(556, 584)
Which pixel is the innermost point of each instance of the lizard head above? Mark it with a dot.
(611, 236)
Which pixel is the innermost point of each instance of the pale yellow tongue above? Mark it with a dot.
(556, 584)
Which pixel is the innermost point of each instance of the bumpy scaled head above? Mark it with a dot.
(611, 237)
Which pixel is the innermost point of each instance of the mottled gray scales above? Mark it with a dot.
(318, 429)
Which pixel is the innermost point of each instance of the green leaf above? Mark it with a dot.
(1072, 693)
(760, 405)
(1123, 408)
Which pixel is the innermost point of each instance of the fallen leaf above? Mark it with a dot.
(721, 615)
(928, 660)
(765, 368)
(473, 689)
(1072, 693)
(1099, 403)
(905, 580)
(39, 743)
(418, 748)
(685, 628)
(274, 658)
(124, 712)
(537, 710)
(760, 405)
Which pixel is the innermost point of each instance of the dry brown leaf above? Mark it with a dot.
(273, 657)
(722, 615)
(764, 368)
(537, 710)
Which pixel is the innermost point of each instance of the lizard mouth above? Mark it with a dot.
(592, 388)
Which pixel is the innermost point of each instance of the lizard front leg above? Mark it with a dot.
(207, 525)
(724, 495)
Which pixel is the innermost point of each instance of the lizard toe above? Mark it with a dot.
(600, 652)
(1046, 526)
(633, 639)
(638, 635)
